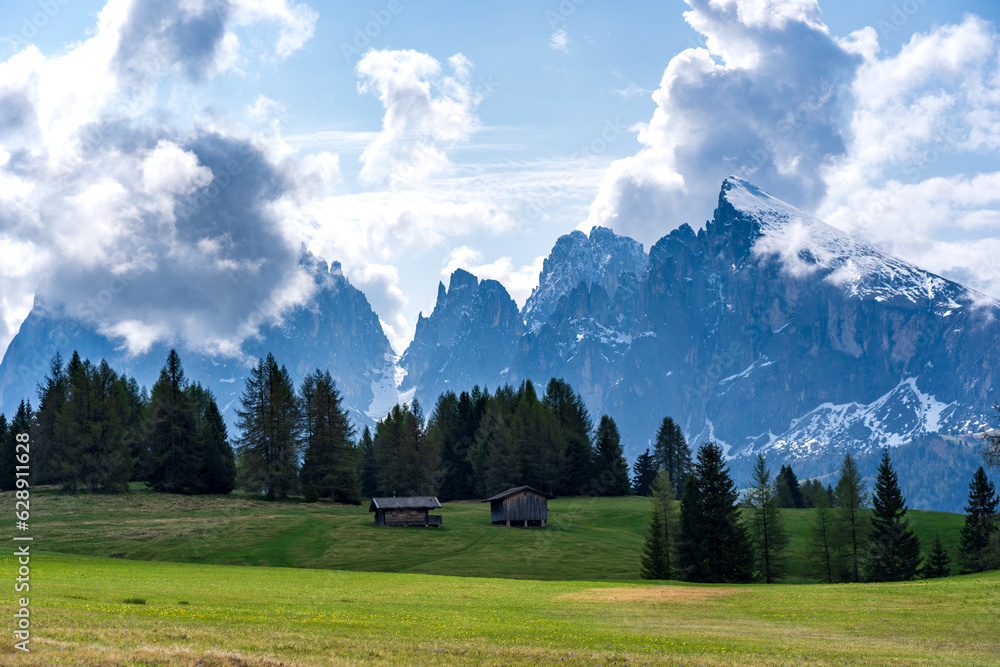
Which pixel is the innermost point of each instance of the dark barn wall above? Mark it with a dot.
(522, 506)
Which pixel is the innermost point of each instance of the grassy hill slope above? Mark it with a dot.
(587, 538)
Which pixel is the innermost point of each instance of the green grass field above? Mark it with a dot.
(587, 538)
(154, 579)
(228, 615)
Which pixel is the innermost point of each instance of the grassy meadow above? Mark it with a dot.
(102, 611)
(587, 538)
(151, 579)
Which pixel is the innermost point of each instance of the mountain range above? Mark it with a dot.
(765, 331)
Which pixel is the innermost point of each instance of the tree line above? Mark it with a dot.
(709, 533)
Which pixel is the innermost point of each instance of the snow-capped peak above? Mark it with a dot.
(806, 245)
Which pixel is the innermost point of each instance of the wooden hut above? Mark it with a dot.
(412, 511)
(520, 506)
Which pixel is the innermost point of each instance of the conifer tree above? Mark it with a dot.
(493, 455)
(443, 431)
(789, 492)
(575, 426)
(978, 549)
(610, 465)
(767, 527)
(369, 465)
(822, 550)
(850, 499)
(714, 546)
(269, 422)
(894, 551)
(671, 451)
(405, 458)
(21, 423)
(938, 562)
(176, 455)
(218, 460)
(52, 396)
(7, 471)
(654, 562)
(643, 474)
(537, 443)
(330, 463)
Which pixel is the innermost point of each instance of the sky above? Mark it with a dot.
(163, 163)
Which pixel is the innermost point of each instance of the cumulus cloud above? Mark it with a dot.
(918, 117)
(145, 231)
(762, 100)
(519, 281)
(426, 112)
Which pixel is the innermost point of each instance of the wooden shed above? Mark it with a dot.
(520, 506)
(411, 511)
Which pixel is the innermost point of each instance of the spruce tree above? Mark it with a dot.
(405, 458)
(536, 434)
(671, 451)
(766, 525)
(894, 551)
(850, 499)
(176, 455)
(47, 448)
(609, 460)
(714, 546)
(369, 466)
(330, 463)
(978, 549)
(822, 550)
(575, 425)
(270, 425)
(443, 429)
(938, 562)
(643, 473)
(654, 563)
(789, 492)
(219, 469)
(7, 470)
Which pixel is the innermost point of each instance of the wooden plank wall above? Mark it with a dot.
(523, 506)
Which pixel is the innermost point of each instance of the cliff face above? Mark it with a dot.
(766, 331)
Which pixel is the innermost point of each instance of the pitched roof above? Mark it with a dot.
(411, 502)
(517, 489)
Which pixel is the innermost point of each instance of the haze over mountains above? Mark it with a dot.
(768, 330)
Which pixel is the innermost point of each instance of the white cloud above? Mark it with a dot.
(762, 101)
(559, 41)
(426, 112)
(519, 281)
(178, 220)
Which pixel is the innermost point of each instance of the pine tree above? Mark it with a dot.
(850, 499)
(330, 463)
(537, 443)
(714, 547)
(218, 459)
(610, 464)
(405, 458)
(8, 475)
(822, 551)
(654, 563)
(643, 473)
(671, 451)
(369, 465)
(47, 448)
(789, 493)
(443, 431)
(269, 421)
(938, 562)
(176, 455)
(978, 550)
(894, 552)
(493, 455)
(575, 426)
(21, 423)
(767, 527)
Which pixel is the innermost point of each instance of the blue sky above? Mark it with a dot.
(466, 134)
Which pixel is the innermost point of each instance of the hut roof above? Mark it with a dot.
(410, 502)
(517, 489)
